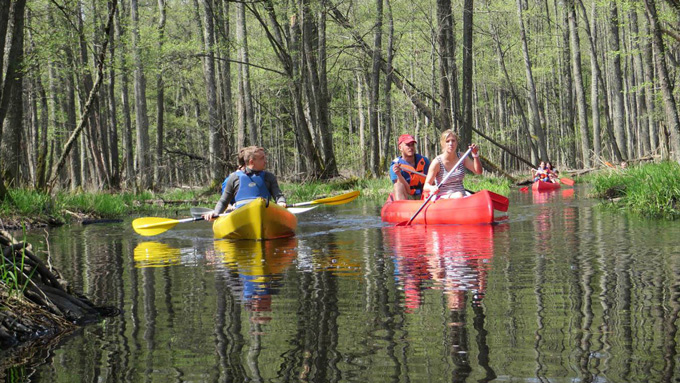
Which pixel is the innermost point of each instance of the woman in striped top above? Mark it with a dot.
(440, 166)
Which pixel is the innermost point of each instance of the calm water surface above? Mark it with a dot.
(560, 292)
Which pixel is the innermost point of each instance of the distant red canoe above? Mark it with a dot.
(544, 186)
(474, 209)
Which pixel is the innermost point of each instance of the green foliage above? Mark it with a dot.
(10, 277)
(34, 204)
(499, 185)
(649, 190)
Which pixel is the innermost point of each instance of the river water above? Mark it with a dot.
(561, 291)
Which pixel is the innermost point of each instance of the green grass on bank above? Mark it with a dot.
(30, 204)
(651, 190)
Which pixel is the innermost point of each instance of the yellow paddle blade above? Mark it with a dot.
(149, 226)
(335, 200)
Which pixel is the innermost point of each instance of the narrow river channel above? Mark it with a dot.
(562, 291)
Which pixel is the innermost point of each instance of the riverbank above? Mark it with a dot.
(649, 190)
(32, 209)
(36, 302)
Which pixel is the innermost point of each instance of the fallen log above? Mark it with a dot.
(36, 301)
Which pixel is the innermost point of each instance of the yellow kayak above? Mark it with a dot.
(256, 220)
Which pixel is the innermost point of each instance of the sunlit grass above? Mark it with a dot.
(649, 190)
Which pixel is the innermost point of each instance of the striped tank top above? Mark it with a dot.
(455, 181)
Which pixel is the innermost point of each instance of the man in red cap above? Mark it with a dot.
(409, 170)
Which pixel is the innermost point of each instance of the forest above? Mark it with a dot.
(145, 95)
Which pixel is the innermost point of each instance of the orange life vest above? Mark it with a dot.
(417, 181)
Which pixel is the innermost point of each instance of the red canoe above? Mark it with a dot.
(477, 208)
(544, 186)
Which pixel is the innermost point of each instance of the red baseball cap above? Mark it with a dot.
(406, 139)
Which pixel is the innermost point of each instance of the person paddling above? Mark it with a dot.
(442, 164)
(248, 183)
(404, 172)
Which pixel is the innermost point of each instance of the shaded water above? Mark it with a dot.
(559, 292)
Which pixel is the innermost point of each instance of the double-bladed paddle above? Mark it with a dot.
(148, 226)
(406, 223)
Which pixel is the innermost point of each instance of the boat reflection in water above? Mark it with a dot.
(454, 258)
(551, 195)
(156, 254)
(257, 268)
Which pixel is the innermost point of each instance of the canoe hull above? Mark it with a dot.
(257, 220)
(475, 209)
(545, 186)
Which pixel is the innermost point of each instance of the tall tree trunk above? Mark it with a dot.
(246, 96)
(648, 71)
(466, 129)
(641, 91)
(617, 81)
(211, 90)
(226, 133)
(566, 95)
(375, 90)
(128, 151)
(325, 126)
(113, 115)
(387, 114)
(159, 169)
(444, 38)
(535, 126)
(96, 144)
(11, 105)
(314, 48)
(672, 119)
(595, 78)
(578, 83)
(70, 108)
(141, 117)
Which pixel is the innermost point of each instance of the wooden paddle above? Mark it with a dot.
(406, 223)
